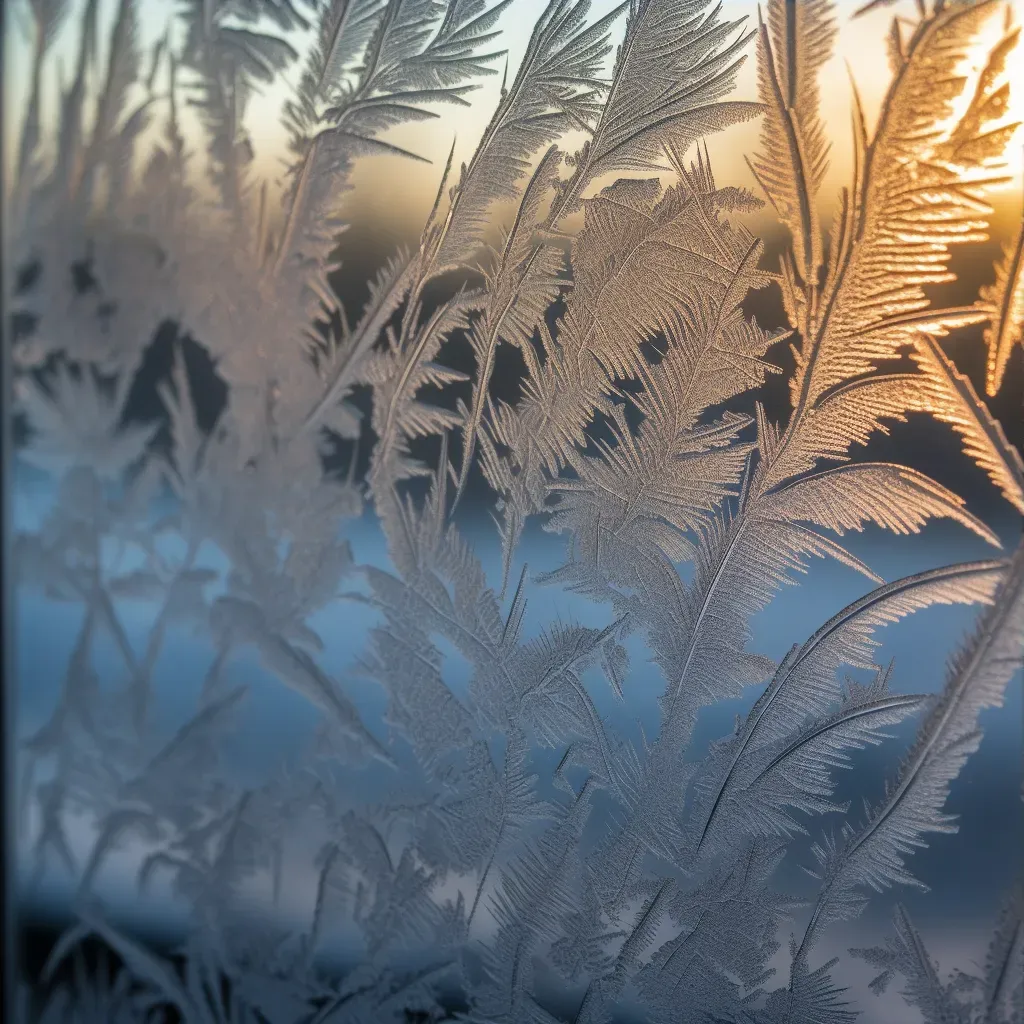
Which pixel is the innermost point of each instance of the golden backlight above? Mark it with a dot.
(397, 193)
(860, 60)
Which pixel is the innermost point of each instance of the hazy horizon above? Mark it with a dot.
(395, 193)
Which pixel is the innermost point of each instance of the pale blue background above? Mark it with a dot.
(968, 872)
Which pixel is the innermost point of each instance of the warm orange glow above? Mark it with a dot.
(1013, 75)
(398, 192)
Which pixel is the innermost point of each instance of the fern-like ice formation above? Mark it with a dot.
(1003, 302)
(496, 839)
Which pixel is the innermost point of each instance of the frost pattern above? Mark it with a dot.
(475, 869)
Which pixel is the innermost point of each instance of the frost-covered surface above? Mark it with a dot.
(504, 786)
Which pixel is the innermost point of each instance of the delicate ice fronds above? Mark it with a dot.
(950, 397)
(414, 53)
(996, 997)
(172, 788)
(512, 806)
(1003, 982)
(981, 134)
(608, 151)
(557, 88)
(123, 69)
(893, 497)
(391, 897)
(442, 586)
(874, 855)
(554, 90)
(811, 996)
(630, 510)
(724, 932)
(795, 44)
(396, 377)
(476, 807)
(235, 621)
(387, 996)
(910, 205)
(538, 892)
(520, 286)
(742, 561)
(343, 368)
(228, 59)
(553, 699)
(535, 686)
(647, 264)
(752, 789)
(737, 571)
(141, 964)
(422, 707)
(804, 685)
(682, 45)
(906, 954)
(75, 422)
(1003, 301)
(342, 34)
(853, 412)
(609, 974)
(47, 17)
(417, 54)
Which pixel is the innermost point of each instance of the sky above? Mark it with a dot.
(397, 192)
